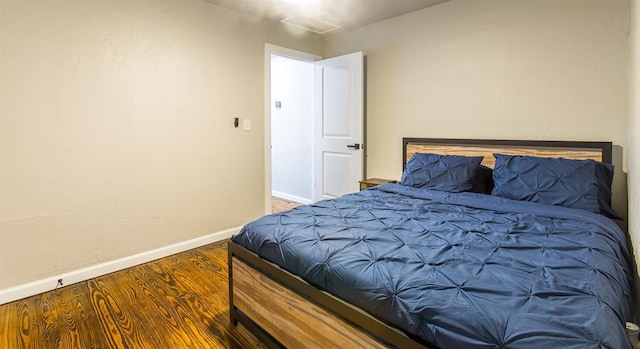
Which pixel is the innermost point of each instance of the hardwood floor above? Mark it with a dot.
(180, 301)
(279, 205)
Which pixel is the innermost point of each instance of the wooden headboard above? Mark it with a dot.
(598, 151)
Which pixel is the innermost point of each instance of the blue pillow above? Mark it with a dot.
(552, 181)
(452, 173)
(604, 174)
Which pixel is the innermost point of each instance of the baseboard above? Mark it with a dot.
(72, 277)
(290, 197)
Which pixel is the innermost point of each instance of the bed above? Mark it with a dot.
(425, 263)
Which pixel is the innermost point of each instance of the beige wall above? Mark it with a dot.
(634, 129)
(539, 69)
(116, 131)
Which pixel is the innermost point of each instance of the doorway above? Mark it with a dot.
(325, 160)
(292, 108)
(269, 108)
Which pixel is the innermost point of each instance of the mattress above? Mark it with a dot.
(460, 270)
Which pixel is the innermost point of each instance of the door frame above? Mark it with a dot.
(269, 50)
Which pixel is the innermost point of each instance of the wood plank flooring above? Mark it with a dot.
(279, 205)
(180, 301)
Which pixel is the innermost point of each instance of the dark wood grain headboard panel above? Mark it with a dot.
(598, 151)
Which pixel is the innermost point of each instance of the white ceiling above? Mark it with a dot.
(348, 14)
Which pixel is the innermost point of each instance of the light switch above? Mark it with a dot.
(247, 125)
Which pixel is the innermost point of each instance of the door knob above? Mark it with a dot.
(354, 146)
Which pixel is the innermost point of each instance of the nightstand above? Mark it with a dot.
(372, 182)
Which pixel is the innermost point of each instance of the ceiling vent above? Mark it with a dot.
(313, 24)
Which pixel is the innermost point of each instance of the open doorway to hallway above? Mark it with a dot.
(292, 108)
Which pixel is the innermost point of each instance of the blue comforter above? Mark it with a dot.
(461, 270)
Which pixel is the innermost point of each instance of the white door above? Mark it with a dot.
(338, 126)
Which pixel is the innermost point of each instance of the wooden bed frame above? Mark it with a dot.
(284, 311)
